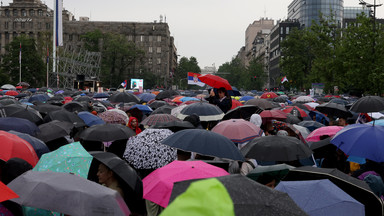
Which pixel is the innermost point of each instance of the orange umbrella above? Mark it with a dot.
(155, 92)
(236, 103)
(177, 99)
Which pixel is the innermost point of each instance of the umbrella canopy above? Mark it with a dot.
(339, 101)
(215, 81)
(23, 111)
(19, 125)
(304, 99)
(158, 118)
(101, 95)
(204, 142)
(54, 130)
(13, 146)
(334, 109)
(303, 130)
(242, 112)
(206, 111)
(107, 132)
(75, 106)
(311, 125)
(65, 116)
(238, 130)
(39, 146)
(156, 104)
(281, 99)
(8, 87)
(166, 94)
(145, 97)
(278, 171)
(356, 188)
(246, 98)
(262, 103)
(124, 97)
(11, 93)
(143, 108)
(38, 97)
(8, 100)
(90, 119)
(276, 148)
(6, 193)
(292, 119)
(167, 109)
(174, 126)
(294, 110)
(49, 190)
(268, 115)
(112, 117)
(362, 140)
(321, 197)
(261, 201)
(315, 135)
(267, 95)
(185, 99)
(145, 150)
(71, 158)
(158, 185)
(368, 104)
(46, 108)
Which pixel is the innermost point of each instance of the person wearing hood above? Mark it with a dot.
(256, 120)
(133, 123)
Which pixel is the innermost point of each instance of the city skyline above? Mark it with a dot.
(212, 31)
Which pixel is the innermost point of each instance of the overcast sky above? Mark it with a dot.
(213, 31)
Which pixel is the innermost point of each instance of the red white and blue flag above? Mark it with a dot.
(124, 84)
(193, 79)
(284, 79)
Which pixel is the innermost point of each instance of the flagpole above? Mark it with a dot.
(47, 67)
(20, 64)
(54, 42)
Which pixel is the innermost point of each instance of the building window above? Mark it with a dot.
(281, 30)
(47, 26)
(39, 25)
(31, 13)
(286, 30)
(6, 35)
(159, 38)
(158, 49)
(70, 37)
(23, 25)
(31, 25)
(15, 13)
(150, 38)
(14, 34)
(150, 61)
(130, 37)
(40, 12)
(142, 38)
(158, 60)
(150, 50)
(23, 13)
(14, 25)
(6, 25)
(7, 14)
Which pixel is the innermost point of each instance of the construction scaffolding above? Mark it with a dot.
(74, 66)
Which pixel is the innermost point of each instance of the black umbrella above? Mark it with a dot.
(357, 189)
(83, 98)
(64, 115)
(205, 111)
(54, 130)
(156, 104)
(204, 142)
(57, 99)
(368, 104)
(262, 103)
(107, 132)
(242, 112)
(46, 108)
(124, 97)
(75, 106)
(249, 197)
(319, 144)
(311, 125)
(280, 99)
(8, 101)
(291, 119)
(23, 111)
(174, 126)
(339, 101)
(276, 148)
(163, 110)
(334, 109)
(166, 94)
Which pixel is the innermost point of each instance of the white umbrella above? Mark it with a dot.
(8, 87)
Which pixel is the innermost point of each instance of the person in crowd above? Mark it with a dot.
(134, 125)
(194, 120)
(107, 178)
(222, 100)
(267, 180)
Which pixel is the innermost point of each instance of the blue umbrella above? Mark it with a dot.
(320, 117)
(246, 98)
(39, 97)
(184, 99)
(144, 108)
(361, 140)
(33, 90)
(146, 97)
(377, 122)
(19, 125)
(90, 119)
(321, 197)
(39, 146)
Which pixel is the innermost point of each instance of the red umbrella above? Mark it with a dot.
(12, 93)
(294, 110)
(6, 193)
(19, 87)
(273, 114)
(236, 103)
(215, 81)
(267, 95)
(13, 146)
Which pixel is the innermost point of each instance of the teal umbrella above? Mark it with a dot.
(71, 158)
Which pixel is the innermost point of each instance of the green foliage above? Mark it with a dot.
(186, 65)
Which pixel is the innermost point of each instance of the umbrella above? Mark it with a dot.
(304, 99)
(71, 158)
(238, 130)
(166, 94)
(319, 117)
(334, 109)
(262, 103)
(145, 150)
(242, 112)
(158, 185)
(311, 125)
(64, 115)
(185, 99)
(12, 93)
(46, 108)
(39, 146)
(267, 95)
(278, 171)
(124, 97)
(54, 130)
(176, 111)
(86, 99)
(143, 108)
(23, 111)
(38, 97)
(206, 111)
(248, 197)
(362, 140)
(303, 130)
(204, 142)
(281, 99)
(313, 105)
(158, 118)
(321, 143)
(368, 104)
(246, 98)
(356, 188)
(49, 190)
(112, 117)
(292, 119)
(268, 115)
(215, 81)
(13, 146)
(107, 132)
(8, 87)
(19, 125)
(90, 119)
(75, 106)
(174, 126)
(156, 104)
(7, 101)
(101, 95)
(145, 97)
(6, 193)
(276, 148)
(321, 197)
(167, 109)
(294, 110)
(339, 101)
(235, 103)
(315, 135)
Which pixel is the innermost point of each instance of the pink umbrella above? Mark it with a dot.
(159, 184)
(315, 135)
(238, 130)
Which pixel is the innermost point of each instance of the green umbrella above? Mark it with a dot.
(278, 171)
(71, 158)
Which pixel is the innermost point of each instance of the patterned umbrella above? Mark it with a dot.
(304, 99)
(111, 117)
(158, 118)
(267, 95)
(176, 111)
(262, 103)
(294, 110)
(145, 150)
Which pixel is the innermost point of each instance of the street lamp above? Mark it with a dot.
(374, 6)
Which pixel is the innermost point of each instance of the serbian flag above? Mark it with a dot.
(194, 80)
(284, 79)
(124, 84)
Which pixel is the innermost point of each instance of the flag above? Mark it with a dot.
(124, 84)
(59, 22)
(47, 55)
(284, 79)
(20, 54)
(363, 118)
(194, 80)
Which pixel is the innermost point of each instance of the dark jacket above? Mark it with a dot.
(225, 105)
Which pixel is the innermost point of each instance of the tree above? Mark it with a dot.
(32, 66)
(255, 70)
(186, 65)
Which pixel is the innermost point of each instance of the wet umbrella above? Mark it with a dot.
(46, 108)
(174, 126)
(8, 101)
(38, 97)
(356, 188)
(276, 148)
(268, 115)
(339, 101)
(292, 119)
(166, 94)
(262, 103)
(368, 104)
(39, 146)
(83, 99)
(114, 116)
(167, 109)
(334, 109)
(107, 132)
(158, 118)
(145, 97)
(206, 111)
(101, 95)
(13, 146)
(261, 201)
(145, 150)
(246, 98)
(11, 93)
(267, 95)
(303, 99)
(158, 185)
(124, 97)
(90, 119)
(321, 197)
(23, 111)
(294, 110)
(54, 130)
(215, 81)
(143, 108)
(8, 87)
(311, 125)
(278, 171)
(57, 100)
(281, 99)
(205, 143)
(49, 190)
(315, 135)
(19, 125)
(75, 106)
(156, 104)
(238, 130)
(64, 115)
(6, 193)
(242, 112)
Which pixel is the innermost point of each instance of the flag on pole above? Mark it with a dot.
(284, 79)
(20, 54)
(47, 55)
(59, 23)
(124, 84)
(194, 80)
